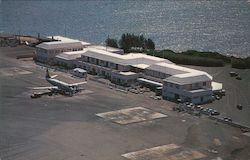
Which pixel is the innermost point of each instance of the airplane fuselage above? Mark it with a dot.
(61, 85)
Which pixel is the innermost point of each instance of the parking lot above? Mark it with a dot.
(102, 123)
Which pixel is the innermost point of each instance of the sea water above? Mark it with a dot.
(205, 25)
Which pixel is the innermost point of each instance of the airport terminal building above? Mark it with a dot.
(177, 82)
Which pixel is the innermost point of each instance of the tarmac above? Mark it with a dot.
(101, 123)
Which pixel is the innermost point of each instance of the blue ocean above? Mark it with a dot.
(205, 25)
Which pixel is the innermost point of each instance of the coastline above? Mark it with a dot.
(207, 59)
(189, 57)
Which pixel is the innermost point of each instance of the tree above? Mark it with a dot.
(134, 42)
(150, 44)
(124, 42)
(111, 42)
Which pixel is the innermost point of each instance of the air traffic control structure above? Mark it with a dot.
(177, 82)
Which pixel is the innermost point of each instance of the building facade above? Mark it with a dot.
(47, 51)
(194, 88)
(177, 82)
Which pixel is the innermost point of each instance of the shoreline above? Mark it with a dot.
(188, 57)
(236, 55)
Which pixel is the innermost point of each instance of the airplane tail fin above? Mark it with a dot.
(47, 73)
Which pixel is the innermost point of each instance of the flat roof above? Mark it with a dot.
(62, 42)
(170, 69)
(66, 39)
(69, 56)
(179, 74)
(59, 45)
(141, 66)
(106, 48)
(80, 70)
(63, 39)
(127, 59)
(75, 52)
(149, 81)
(216, 86)
(199, 90)
(188, 79)
(127, 73)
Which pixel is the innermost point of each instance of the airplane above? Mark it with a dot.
(58, 86)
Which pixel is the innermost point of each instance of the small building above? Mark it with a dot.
(47, 51)
(67, 59)
(192, 87)
(124, 78)
(80, 73)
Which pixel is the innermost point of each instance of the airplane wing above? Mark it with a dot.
(42, 88)
(76, 84)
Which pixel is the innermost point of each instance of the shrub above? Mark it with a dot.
(111, 42)
(186, 59)
(130, 42)
(240, 63)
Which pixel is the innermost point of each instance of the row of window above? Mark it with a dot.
(59, 50)
(189, 86)
(98, 62)
(172, 85)
(156, 74)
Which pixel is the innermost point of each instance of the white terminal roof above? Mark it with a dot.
(127, 73)
(193, 76)
(66, 39)
(63, 39)
(141, 66)
(179, 75)
(170, 69)
(109, 49)
(59, 45)
(127, 59)
(190, 78)
(70, 55)
(62, 42)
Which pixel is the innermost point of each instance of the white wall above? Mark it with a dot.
(184, 92)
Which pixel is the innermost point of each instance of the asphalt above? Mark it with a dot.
(59, 127)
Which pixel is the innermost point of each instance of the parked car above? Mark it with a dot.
(205, 111)
(189, 107)
(157, 98)
(233, 74)
(227, 119)
(215, 113)
(217, 97)
(238, 78)
(223, 92)
(210, 110)
(197, 107)
(239, 106)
